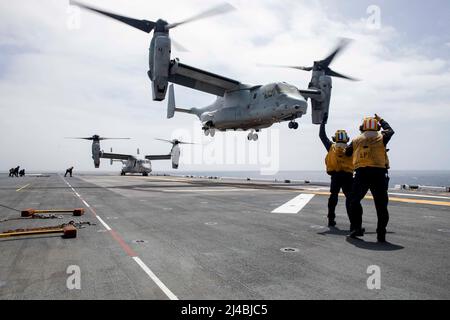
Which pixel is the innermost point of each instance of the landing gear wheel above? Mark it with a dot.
(252, 136)
(212, 132)
(122, 173)
(145, 174)
(206, 132)
(293, 125)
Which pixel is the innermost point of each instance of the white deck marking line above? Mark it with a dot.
(143, 266)
(155, 279)
(103, 223)
(23, 187)
(418, 195)
(295, 205)
(87, 205)
(98, 218)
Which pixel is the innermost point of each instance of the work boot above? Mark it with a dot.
(381, 237)
(331, 222)
(359, 232)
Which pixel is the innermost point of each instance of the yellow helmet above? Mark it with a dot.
(341, 136)
(370, 124)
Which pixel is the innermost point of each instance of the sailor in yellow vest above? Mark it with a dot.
(371, 173)
(339, 167)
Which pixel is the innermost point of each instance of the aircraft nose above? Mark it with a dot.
(291, 104)
(296, 103)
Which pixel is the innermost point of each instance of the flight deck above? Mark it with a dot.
(170, 237)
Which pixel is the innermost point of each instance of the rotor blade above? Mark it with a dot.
(287, 67)
(341, 46)
(101, 138)
(178, 46)
(332, 73)
(89, 138)
(164, 140)
(220, 9)
(144, 25)
(175, 141)
(303, 68)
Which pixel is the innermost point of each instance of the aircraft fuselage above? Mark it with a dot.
(254, 108)
(137, 166)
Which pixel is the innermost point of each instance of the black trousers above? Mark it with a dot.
(377, 181)
(339, 180)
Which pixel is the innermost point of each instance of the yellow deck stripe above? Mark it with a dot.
(23, 187)
(396, 199)
(432, 202)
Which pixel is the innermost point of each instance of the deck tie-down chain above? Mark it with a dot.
(36, 216)
(82, 224)
(69, 230)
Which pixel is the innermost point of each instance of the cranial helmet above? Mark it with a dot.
(341, 136)
(370, 124)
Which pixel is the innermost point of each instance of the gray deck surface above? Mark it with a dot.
(216, 239)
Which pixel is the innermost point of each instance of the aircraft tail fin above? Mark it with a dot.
(171, 105)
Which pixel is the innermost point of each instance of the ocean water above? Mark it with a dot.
(424, 178)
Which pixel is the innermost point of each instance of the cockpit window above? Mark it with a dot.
(269, 91)
(286, 88)
(278, 89)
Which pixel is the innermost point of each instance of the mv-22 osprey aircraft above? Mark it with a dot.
(238, 106)
(132, 164)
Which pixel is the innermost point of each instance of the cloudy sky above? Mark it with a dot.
(67, 73)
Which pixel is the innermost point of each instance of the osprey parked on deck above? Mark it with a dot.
(132, 164)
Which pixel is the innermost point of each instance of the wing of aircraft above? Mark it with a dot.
(159, 157)
(174, 154)
(117, 156)
(310, 93)
(201, 80)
